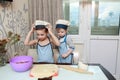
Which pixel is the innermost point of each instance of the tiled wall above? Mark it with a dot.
(14, 17)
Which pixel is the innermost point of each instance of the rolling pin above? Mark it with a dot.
(75, 69)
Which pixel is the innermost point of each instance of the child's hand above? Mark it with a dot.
(49, 27)
(32, 28)
(64, 55)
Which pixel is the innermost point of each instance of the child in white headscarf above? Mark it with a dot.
(66, 44)
(43, 41)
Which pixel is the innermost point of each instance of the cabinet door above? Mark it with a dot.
(105, 53)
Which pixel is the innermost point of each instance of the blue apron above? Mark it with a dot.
(45, 53)
(63, 48)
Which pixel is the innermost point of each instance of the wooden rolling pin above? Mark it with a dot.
(75, 69)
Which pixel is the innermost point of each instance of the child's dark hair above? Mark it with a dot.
(61, 26)
(40, 27)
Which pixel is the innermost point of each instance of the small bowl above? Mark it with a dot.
(21, 63)
(46, 78)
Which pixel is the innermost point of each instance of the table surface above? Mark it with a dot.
(100, 73)
(106, 72)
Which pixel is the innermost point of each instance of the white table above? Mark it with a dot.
(6, 73)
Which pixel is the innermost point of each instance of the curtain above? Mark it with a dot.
(47, 10)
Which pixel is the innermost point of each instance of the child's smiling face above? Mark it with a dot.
(41, 34)
(61, 32)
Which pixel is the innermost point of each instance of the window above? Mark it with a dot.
(71, 13)
(105, 18)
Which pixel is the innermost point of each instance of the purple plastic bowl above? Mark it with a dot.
(21, 63)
